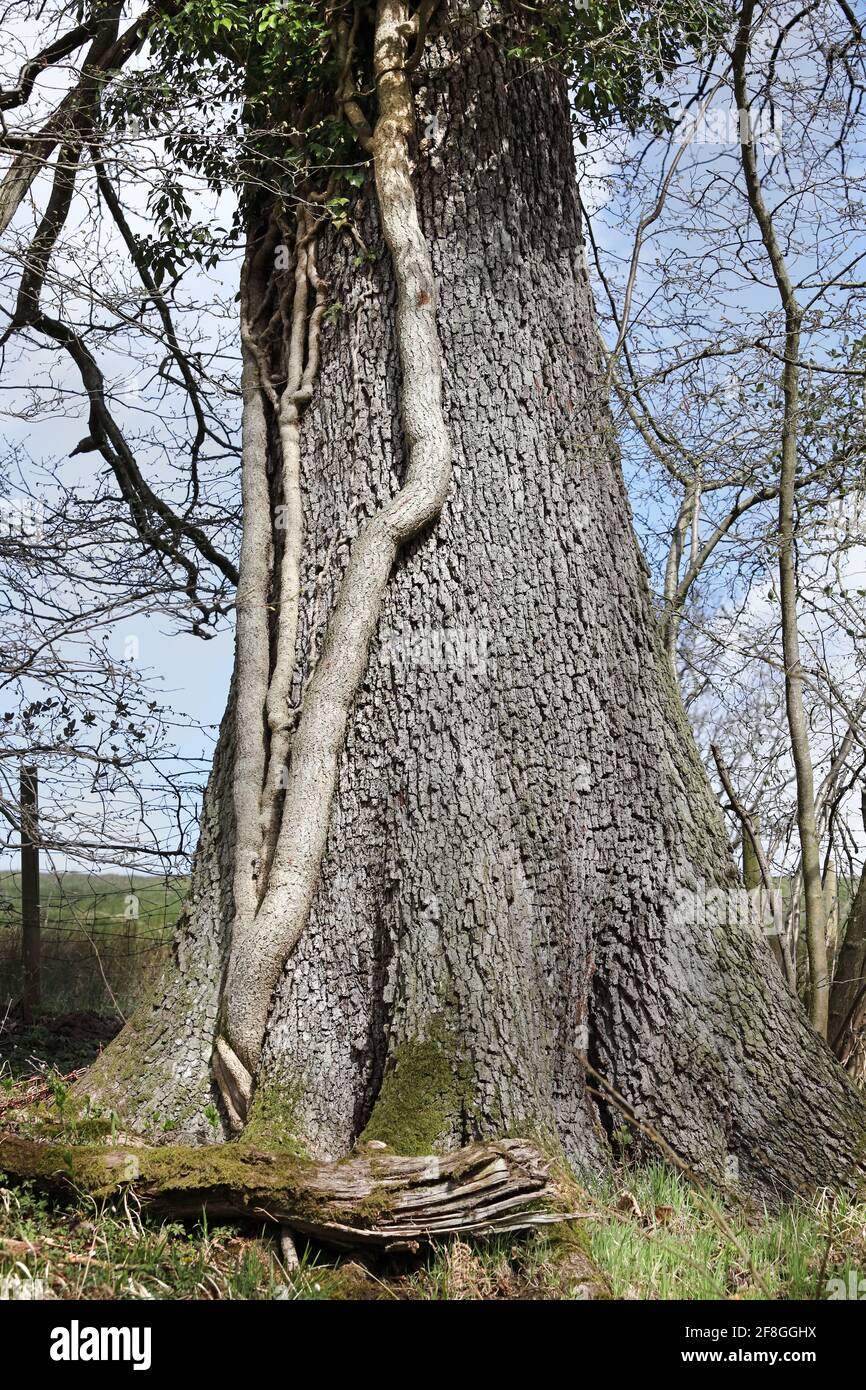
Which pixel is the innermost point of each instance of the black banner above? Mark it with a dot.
(62, 1339)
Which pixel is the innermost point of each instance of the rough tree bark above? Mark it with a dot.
(525, 868)
(847, 1027)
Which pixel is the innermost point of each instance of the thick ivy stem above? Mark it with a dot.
(302, 337)
(260, 947)
(252, 642)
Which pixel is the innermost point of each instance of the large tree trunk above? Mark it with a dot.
(525, 867)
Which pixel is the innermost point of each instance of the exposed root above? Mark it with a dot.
(234, 1082)
(288, 1250)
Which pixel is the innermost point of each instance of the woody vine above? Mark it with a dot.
(284, 784)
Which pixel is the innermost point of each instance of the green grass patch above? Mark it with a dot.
(78, 1249)
(655, 1237)
(647, 1234)
(108, 902)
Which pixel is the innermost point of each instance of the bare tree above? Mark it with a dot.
(754, 405)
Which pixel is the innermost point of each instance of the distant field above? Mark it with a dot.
(104, 937)
(106, 902)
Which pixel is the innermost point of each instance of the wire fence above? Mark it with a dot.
(104, 938)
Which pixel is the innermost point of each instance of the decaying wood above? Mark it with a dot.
(374, 1200)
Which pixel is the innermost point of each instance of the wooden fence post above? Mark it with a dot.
(31, 924)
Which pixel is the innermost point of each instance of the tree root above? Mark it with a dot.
(234, 1082)
(374, 1201)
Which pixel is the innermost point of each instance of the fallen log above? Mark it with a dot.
(372, 1200)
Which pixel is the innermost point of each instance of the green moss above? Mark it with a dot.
(93, 1168)
(67, 1119)
(183, 1169)
(75, 1129)
(103, 1171)
(424, 1089)
(369, 1209)
(273, 1119)
(352, 1282)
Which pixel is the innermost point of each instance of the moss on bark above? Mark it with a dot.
(425, 1087)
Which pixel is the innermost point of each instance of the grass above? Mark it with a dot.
(659, 1240)
(646, 1233)
(76, 1248)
